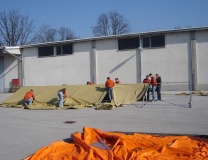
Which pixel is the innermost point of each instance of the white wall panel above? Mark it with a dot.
(67, 69)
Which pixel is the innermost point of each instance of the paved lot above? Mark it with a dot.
(22, 132)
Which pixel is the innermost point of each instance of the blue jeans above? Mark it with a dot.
(61, 97)
(153, 93)
(110, 93)
(29, 101)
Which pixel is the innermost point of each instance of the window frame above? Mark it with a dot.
(128, 43)
(153, 41)
(53, 50)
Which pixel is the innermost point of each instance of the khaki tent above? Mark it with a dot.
(80, 96)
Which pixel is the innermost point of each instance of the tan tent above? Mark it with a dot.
(80, 96)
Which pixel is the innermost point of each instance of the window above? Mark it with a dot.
(60, 50)
(146, 42)
(64, 49)
(154, 41)
(45, 51)
(128, 43)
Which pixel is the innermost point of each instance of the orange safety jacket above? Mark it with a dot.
(153, 81)
(117, 82)
(146, 80)
(65, 92)
(28, 95)
(109, 83)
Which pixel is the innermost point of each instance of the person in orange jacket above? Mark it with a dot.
(154, 85)
(29, 98)
(117, 81)
(109, 84)
(89, 83)
(147, 80)
(62, 93)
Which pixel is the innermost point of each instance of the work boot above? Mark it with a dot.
(26, 106)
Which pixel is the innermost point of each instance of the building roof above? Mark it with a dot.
(118, 36)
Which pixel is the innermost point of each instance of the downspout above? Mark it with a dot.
(22, 68)
(139, 61)
(193, 62)
(94, 62)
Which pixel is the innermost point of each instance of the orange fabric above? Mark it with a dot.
(146, 80)
(117, 82)
(65, 92)
(153, 81)
(94, 144)
(90, 83)
(109, 83)
(28, 95)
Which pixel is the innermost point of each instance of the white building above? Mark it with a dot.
(178, 55)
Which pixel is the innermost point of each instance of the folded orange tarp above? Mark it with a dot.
(94, 144)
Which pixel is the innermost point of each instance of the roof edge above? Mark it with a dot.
(117, 36)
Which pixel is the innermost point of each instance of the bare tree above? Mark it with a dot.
(48, 34)
(119, 24)
(15, 29)
(102, 27)
(111, 24)
(65, 33)
(45, 34)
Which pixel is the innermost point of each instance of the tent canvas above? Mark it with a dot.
(80, 96)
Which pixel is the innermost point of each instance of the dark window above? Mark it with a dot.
(64, 49)
(67, 49)
(158, 41)
(146, 42)
(45, 51)
(154, 41)
(58, 50)
(128, 43)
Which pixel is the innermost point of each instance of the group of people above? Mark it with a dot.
(63, 93)
(154, 86)
(30, 97)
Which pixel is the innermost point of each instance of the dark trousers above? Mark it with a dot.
(158, 93)
(147, 96)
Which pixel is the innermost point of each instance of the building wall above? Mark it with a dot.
(115, 64)
(172, 62)
(58, 70)
(11, 71)
(202, 57)
(102, 58)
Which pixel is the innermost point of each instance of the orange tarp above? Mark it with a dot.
(94, 144)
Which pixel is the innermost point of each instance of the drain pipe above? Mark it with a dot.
(22, 68)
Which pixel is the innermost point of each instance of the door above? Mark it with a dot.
(1, 74)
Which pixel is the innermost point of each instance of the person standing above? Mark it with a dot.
(147, 80)
(63, 93)
(154, 85)
(158, 88)
(117, 81)
(89, 83)
(29, 98)
(109, 84)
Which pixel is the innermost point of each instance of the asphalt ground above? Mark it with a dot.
(23, 132)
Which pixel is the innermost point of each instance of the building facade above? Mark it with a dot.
(10, 67)
(178, 56)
